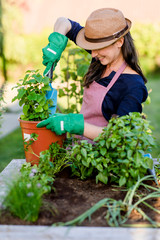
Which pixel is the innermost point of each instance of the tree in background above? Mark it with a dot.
(12, 46)
(2, 55)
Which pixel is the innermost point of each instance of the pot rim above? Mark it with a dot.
(20, 120)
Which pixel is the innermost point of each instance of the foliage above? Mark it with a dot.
(12, 30)
(75, 63)
(152, 112)
(31, 94)
(1, 109)
(118, 211)
(118, 154)
(26, 50)
(24, 197)
(146, 44)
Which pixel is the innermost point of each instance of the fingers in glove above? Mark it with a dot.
(43, 123)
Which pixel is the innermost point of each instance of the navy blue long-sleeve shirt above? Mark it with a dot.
(126, 95)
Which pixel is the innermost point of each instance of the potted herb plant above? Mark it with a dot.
(31, 94)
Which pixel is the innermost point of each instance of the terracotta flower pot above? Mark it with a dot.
(45, 138)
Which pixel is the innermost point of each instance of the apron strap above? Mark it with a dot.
(116, 76)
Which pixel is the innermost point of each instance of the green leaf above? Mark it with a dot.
(137, 159)
(122, 154)
(40, 98)
(103, 151)
(46, 106)
(102, 177)
(78, 157)
(46, 88)
(21, 93)
(99, 167)
(133, 173)
(84, 152)
(129, 153)
(82, 69)
(61, 93)
(147, 162)
(46, 80)
(86, 164)
(102, 142)
(150, 163)
(39, 109)
(25, 109)
(32, 96)
(122, 181)
(93, 162)
(14, 98)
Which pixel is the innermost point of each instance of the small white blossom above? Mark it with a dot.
(30, 194)
(39, 185)
(31, 174)
(34, 170)
(28, 185)
(36, 105)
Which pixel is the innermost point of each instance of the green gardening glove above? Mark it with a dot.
(52, 52)
(62, 123)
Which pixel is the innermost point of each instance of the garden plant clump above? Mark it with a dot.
(118, 153)
(31, 95)
(24, 197)
(118, 150)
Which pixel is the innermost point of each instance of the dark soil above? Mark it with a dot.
(72, 197)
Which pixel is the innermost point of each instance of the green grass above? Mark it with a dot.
(153, 112)
(11, 147)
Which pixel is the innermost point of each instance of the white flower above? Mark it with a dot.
(31, 174)
(28, 185)
(30, 194)
(39, 185)
(34, 170)
(36, 105)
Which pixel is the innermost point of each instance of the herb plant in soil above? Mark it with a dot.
(118, 153)
(24, 197)
(87, 177)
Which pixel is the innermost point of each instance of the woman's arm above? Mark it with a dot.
(62, 25)
(91, 131)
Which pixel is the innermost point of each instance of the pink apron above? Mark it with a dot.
(92, 102)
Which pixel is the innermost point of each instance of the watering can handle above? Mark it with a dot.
(50, 73)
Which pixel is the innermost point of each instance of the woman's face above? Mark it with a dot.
(110, 54)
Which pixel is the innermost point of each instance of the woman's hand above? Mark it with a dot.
(62, 123)
(57, 43)
(52, 52)
(72, 123)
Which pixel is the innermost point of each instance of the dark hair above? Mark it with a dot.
(96, 69)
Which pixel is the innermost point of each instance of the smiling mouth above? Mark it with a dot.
(101, 58)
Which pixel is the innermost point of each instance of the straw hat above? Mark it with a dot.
(103, 27)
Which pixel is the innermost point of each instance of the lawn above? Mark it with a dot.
(11, 147)
(153, 111)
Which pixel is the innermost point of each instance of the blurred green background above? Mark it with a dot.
(20, 51)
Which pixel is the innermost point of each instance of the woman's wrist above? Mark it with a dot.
(62, 25)
(91, 131)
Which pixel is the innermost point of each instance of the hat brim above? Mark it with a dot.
(83, 43)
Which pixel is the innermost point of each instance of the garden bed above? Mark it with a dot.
(72, 197)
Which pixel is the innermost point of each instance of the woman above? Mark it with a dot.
(114, 83)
